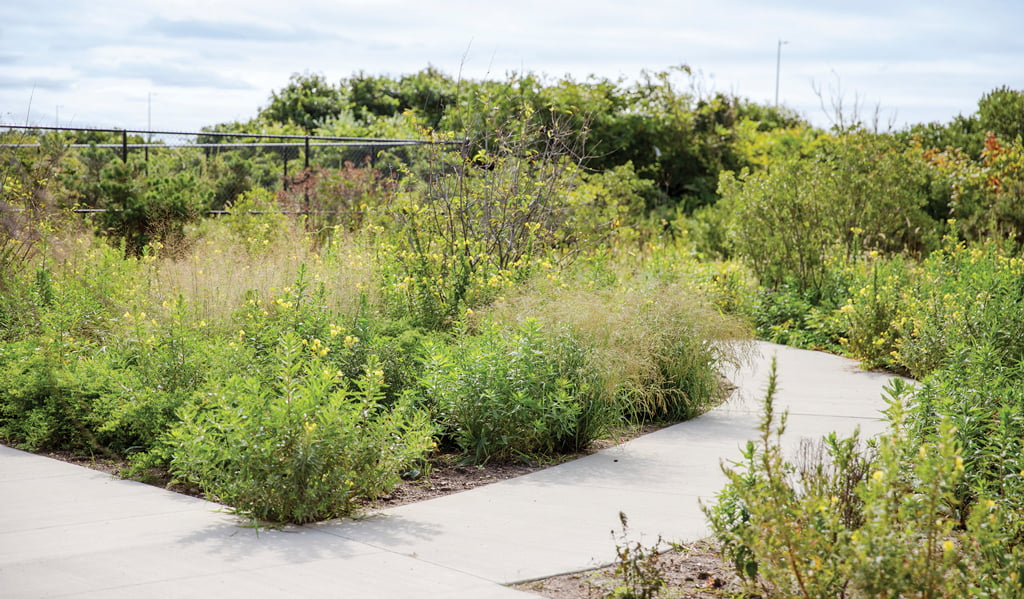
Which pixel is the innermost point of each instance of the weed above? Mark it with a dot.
(637, 569)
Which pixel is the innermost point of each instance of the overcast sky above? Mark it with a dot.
(191, 63)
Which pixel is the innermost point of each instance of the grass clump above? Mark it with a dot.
(657, 345)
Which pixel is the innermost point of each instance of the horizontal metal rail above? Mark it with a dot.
(293, 144)
(367, 140)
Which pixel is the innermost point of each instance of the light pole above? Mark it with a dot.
(778, 64)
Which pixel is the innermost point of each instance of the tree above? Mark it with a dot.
(307, 101)
(1001, 111)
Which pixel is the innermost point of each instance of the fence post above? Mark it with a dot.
(305, 193)
(124, 146)
(284, 159)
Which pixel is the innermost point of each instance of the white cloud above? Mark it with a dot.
(209, 62)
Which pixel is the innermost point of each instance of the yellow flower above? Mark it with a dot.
(878, 475)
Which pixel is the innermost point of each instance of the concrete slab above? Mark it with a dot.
(69, 531)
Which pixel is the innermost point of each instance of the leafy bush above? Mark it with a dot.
(856, 193)
(963, 295)
(301, 446)
(982, 398)
(870, 314)
(474, 226)
(158, 367)
(984, 195)
(851, 522)
(520, 393)
(255, 221)
(793, 317)
(46, 402)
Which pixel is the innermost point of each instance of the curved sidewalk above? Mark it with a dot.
(67, 531)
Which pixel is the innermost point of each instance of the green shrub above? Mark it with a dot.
(982, 398)
(158, 367)
(970, 295)
(857, 192)
(47, 399)
(144, 206)
(475, 226)
(886, 521)
(255, 221)
(300, 445)
(522, 393)
(870, 314)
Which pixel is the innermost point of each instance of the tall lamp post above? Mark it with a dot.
(778, 64)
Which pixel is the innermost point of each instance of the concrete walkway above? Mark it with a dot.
(67, 531)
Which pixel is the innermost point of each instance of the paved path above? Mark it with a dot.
(67, 531)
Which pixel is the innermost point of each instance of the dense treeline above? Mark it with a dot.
(675, 137)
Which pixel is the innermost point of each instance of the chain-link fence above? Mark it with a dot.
(228, 163)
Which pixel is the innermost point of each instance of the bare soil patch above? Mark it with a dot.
(691, 571)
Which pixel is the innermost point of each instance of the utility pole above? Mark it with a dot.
(778, 65)
(149, 124)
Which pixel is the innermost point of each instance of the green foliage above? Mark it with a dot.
(999, 112)
(46, 402)
(608, 208)
(232, 175)
(858, 192)
(980, 395)
(963, 134)
(255, 221)
(984, 195)
(964, 295)
(143, 207)
(521, 393)
(848, 522)
(796, 317)
(657, 342)
(158, 367)
(302, 444)
(28, 218)
(308, 101)
(876, 298)
(476, 225)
